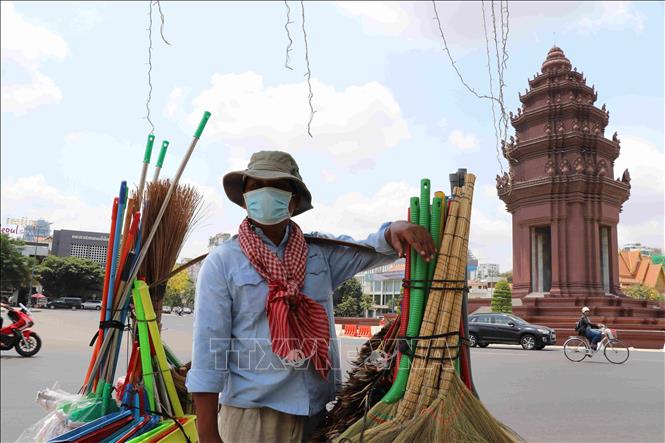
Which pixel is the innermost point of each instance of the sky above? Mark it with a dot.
(390, 109)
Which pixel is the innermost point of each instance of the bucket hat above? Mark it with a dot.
(268, 165)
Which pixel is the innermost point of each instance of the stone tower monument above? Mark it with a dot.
(560, 190)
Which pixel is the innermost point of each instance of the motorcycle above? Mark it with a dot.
(18, 335)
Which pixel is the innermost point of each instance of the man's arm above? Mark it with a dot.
(390, 239)
(206, 416)
(212, 333)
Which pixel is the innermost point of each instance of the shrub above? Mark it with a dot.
(501, 298)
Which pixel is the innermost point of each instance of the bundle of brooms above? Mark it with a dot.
(436, 405)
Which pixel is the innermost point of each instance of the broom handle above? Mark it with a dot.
(160, 160)
(144, 170)
(107, 275)
(153, 229)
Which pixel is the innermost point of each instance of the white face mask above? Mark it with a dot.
(268, 206)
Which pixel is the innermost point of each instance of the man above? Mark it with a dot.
(590, 330)
(264, 332)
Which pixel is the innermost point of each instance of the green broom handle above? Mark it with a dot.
(144, 347)
(398, 387)
(160, 160)
(144, 170)
(144, 250)
(435, 226)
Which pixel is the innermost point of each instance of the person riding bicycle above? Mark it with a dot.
(590, 330)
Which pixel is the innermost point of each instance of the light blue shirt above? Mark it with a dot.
(232, 353)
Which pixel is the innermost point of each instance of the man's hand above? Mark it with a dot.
(402, 234)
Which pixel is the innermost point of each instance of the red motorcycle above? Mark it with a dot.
(18, 335)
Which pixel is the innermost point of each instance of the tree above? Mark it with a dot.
(69, 276)
(501, 298)
(643, 292)
(14, 266)
(352, 286)
(508, 275)
(180, 290)
(349, 307)
(366, 302)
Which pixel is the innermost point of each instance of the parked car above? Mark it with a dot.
(72, 303)
(186, 310)
(166, 309)
(92, 304)
(488, 328)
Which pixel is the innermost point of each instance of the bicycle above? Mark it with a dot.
(577, 348)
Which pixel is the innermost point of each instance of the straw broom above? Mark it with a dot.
(182, 214)
(387, 417)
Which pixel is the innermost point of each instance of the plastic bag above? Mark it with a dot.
(54, 401)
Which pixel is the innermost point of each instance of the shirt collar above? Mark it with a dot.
(269, 242)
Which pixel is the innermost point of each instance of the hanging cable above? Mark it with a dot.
(491, 82)
(450, 57)
(161, 27)
(288, 35)
(308, 74)
(147, 103)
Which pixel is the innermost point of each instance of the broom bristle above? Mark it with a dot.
(366, 384)
(182, 214)
(457, 417)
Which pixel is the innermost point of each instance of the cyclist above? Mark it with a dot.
(590, 330)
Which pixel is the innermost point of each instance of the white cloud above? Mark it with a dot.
(645, 162)
(382, 17)
(33, 197)
(649, 232)
(353, 125)
(328, 176)
(614, 15)
(465, 142)
(358, 214)
(19, 98)
(98, 162)
(174, 102)
(28, 45)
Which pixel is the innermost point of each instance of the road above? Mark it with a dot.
(540, 394)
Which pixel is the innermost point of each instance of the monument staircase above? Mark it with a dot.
(639, 323)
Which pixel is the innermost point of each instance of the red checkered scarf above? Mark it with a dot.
(298, 325)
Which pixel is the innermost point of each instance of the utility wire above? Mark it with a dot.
(491, 81)
(308, 74)
(288, 35)
(147, 103)
(161, 27)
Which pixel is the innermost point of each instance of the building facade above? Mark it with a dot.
(82, 244)
(384, 284)
(560, 189)
(487, 270)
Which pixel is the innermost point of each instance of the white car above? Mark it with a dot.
(186, 311)
(92, 304)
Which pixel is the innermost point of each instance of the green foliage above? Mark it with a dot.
(643, 292)
(180, 290)
(69, 276)
(15, 268)
(349, 295)
(351, 286)
(366, 302)
(508, 275)
(501, 298)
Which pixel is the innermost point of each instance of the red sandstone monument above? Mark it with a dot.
(560, 190)
(565, 204)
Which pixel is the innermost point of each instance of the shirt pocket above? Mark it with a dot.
(317, 279)
(249, 292)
